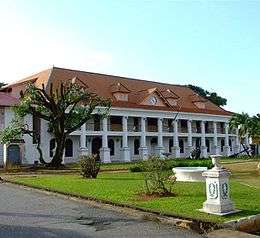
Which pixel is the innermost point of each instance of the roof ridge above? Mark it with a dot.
(122, 77)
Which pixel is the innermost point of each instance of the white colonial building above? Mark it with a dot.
(146, 118)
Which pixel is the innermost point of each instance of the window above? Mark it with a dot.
(222, 127)
(170, 145)
(52, 147)
(198, 143)
(183, 123)
(154, 141)
(36, 129)
(181, 145)
(68, 148)
(136, 123)
(208, 145)
(96, 123)
(197, 126)
(207, 127)
(230, 144)
(111, 146)
(136, 146)
(170, 125)
(222, 145)
(115, 123)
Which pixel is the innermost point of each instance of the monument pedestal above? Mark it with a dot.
(218, 191)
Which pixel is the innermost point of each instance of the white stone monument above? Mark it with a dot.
(218, 190)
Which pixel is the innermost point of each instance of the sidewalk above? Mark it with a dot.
(225, 233)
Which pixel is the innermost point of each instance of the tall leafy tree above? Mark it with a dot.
(65, 109)
(212, 96)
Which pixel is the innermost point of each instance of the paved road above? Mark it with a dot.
(27, 213)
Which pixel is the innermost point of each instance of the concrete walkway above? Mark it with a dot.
(29, 213)
(225, 233)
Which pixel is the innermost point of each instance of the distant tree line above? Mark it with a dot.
(211, 96)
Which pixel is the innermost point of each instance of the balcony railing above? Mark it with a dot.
(183, 129)
(168, 129)
(209, 130)
(196, 130)
(115, 127)
(152, 128)
(133, 128)
(221, 130)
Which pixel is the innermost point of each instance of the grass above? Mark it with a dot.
(122, 188)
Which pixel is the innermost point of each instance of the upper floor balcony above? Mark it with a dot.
(115, 123)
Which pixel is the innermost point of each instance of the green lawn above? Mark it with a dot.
(123, 188)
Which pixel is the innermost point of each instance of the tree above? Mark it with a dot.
(212, 96)
(247, 126)
(242, 123)
(255, 126)
(65, 110)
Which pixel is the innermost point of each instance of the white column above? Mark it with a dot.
(125, 149)
(176, 147)
(5, 148)
(237, 142)
(83, 148)
(160, 149)
(203, 148)
(215, 139)
(143, 151)
(189, 147)
(105, 151)
(226, 147)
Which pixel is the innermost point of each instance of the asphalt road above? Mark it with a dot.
(29, 213)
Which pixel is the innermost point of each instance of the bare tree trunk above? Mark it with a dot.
(60, 146)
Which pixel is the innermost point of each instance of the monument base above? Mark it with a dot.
(220, 213)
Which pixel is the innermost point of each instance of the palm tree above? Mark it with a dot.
(243, 123)
(255, 126)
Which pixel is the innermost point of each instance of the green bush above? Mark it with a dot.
(190, 163)
(89, 166)
(169, 164)
(156, 176)
(136, 168)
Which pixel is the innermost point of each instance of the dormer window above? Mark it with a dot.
(198, 101)
(200, 105)
(170, 96)
(121, 96)
(120, 91)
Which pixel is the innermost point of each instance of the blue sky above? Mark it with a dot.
(212, 44)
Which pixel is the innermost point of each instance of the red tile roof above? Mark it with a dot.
(7, 100)
(104, 85)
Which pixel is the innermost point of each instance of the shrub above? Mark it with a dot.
(190, 163)
(156, 176)
(89, 166)
(136, 168)
(169, 164)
